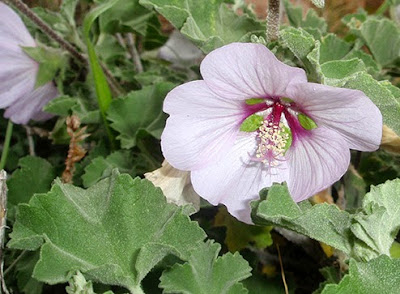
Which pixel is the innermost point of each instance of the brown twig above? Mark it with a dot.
(282, 270)
(76, 152)
(3, 219)
(134, 53)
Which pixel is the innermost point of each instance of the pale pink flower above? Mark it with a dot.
(18, 72)
(230, 166)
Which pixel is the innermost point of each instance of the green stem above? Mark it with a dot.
(6, 145)
(382, 9)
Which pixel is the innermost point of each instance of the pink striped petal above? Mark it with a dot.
(316, 162)
(201, 127)
(12, 27)
(349, 112)
(236, 179)
(16, 86)
(245, 70)
(30, 106)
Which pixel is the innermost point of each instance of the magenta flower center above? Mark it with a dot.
(278, 130)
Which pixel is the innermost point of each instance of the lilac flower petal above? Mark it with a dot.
(12, 27)
(30, 106)
(245, 70)
(13, 61)
(316, 162)
(349, 112)
(16, 86)
(201, 126)
(235, 180)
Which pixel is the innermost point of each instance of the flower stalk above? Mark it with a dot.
(273, 20)
(6, 145)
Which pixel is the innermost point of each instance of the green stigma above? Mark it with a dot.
(289, 137)
(252, 123)
(306, 122)
(254, 101)
(286, 99)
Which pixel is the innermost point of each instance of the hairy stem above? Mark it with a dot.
(6, 145)
(273, 20)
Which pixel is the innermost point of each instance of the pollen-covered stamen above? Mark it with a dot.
(273, 141)
(274, 138)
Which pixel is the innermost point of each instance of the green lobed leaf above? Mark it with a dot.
(379, 223)
(298, 41)
(369, 62)
(125, 16)
(311, 23)
(101, 167)
(333, 48)
(335, 70)
(209, 24)
(61, 105)
(382, 37)
(363, 235)
(26, 180)
(323, 222)
(206, 273)
(379, 275)
(115, 232)
(139, 110)
(302, 45)
(314, 66)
